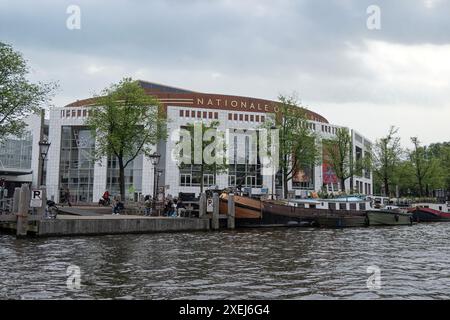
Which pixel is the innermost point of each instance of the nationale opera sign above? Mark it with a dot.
(230, 103)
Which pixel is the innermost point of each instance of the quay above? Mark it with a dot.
(75, 221)
(70, 225)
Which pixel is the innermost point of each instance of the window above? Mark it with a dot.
(246, 117)
(210, 115)
(257, 118)
(205, 114)
(263, 118)
(185, 180)
(199, 114)
(352, 206)
(332, 206)
(192, 114)
(216, 115)
(230, 116)
(231, 180)
(252, 118)
(76, 163)
(362, 206)
(241, 117)
(342, 206)
(208, 180)
(78, 113)
(84, 113)
(181, 113)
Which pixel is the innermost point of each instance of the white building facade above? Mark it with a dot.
(70, 164)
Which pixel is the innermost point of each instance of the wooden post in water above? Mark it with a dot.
(22, 214)
(16, 200)
(202, 205)
(231, 212)
(215, 215)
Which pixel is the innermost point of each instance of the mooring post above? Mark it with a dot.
(215, 215)
(16, 200)
(231, 212)
(40, 211)
(22, 214)
(202, 205)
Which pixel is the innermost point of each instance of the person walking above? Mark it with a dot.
(67, 196)
(148, 205)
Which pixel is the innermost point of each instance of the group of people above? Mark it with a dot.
(172, 207)
(117, 204)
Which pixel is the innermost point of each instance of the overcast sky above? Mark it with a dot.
(365, 79)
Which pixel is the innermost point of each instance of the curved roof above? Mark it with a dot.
(172, 96)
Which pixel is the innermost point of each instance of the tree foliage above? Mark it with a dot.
(18, 96)
(126, 122)
(298, 147)
(386, 158)
(206, 148)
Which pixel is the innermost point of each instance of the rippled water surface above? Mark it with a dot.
(286, 263)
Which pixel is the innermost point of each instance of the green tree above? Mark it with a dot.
(203, 147)
(428, 173)
(126, 122)
(387, 154)
(297, 141)
(338, 154)
(18, 96)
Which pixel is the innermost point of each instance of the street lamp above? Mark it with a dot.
(44, 145)
(154, 158)
(273, 167)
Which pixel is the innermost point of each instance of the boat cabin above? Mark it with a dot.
(346, 203)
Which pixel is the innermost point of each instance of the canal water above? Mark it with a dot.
(291, 263)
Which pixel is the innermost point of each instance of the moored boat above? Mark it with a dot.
(245, 207)
(384, 217)
(430, 212)
(332, 213)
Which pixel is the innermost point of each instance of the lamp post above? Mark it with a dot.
(44, 145)
(273, 167)
(154, 158)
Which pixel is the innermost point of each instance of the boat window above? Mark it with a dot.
(312, 206)
(332, 206)
(342, 206)
(440, 208)
(301, 205)
(352, 206)
(362, 206)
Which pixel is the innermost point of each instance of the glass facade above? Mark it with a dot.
(133, 177)
(15, 153)
(77, 163)
(244, 174)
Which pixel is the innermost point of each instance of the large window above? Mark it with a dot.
(15, 152)
(133, 176)
(243, 173)
(77, 163)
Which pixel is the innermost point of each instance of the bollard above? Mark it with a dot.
(202, 205)
(231, 212)
(41, 210)
(16, 200)
(22, 214)
(215, 215)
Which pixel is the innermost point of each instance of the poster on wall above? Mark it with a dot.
(329, 176)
